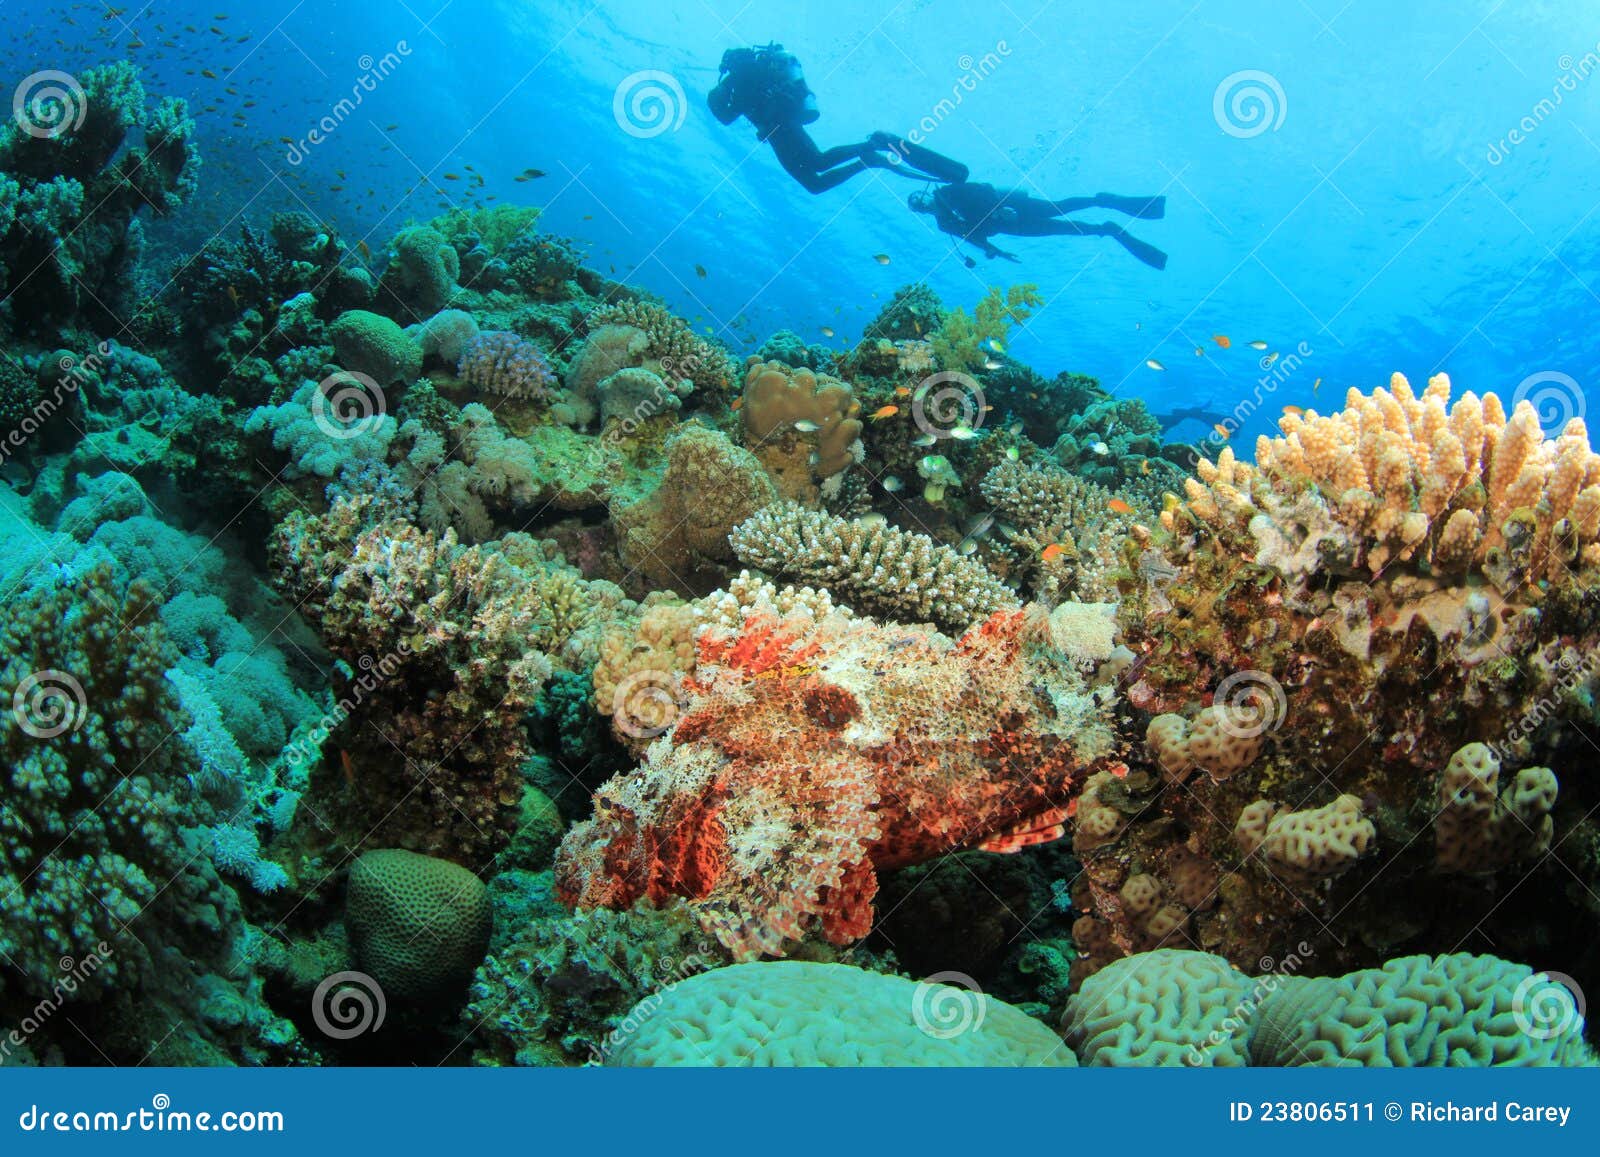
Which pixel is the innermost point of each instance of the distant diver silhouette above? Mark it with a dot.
(766, 87)
(975, 212)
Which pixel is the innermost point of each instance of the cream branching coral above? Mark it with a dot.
(1400, 478)
(875, 567)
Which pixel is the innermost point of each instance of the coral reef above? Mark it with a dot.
(71, 191)
(710, 486)
(1351, 673)
(409, 611)
(505, 364)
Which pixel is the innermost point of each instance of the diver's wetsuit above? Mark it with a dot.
(765, 86)
(975, 212)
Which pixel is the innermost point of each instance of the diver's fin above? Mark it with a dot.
(1145, 208)
(1144, 251)
(937, 166)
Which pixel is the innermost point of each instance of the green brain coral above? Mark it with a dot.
(792, 1012)
(1461, 1011)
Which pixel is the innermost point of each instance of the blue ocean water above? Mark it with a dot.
(1405, 188)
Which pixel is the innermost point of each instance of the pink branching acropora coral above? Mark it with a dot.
(503, 363)
(814, 751)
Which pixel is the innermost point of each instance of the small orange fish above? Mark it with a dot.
(1295, 410)
(365, 250)
(883, 412)
(1223, 340)
(1052, 552)
(902, 391)
(1117, 506)
(1222, 431)
(737, 402)
(1315, 384)
(1144, 466)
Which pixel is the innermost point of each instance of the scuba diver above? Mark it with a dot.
(975, 212)
(766, 87)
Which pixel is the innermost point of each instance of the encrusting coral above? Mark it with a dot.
(879, 569)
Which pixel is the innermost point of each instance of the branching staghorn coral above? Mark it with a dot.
(873, 567)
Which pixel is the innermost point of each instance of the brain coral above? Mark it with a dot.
(1459, 1010)
(813, 751)
(419, 925)
(789, 1013)
(1167, 1007)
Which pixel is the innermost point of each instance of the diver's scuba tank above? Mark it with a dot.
(788, 83)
